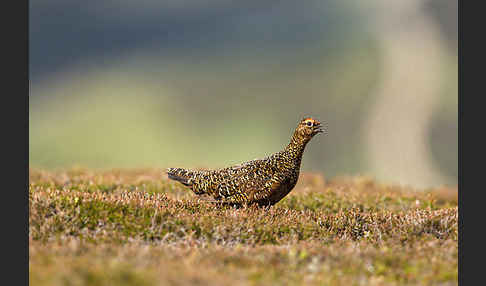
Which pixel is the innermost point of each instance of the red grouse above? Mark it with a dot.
(264, 182)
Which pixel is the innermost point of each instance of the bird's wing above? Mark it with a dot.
(251, 186)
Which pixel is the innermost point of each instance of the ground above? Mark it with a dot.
(136, 227)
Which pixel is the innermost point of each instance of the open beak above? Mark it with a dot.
(318, 127)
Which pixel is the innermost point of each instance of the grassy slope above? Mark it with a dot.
(134, 227)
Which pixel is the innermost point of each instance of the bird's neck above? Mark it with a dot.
(296, 146)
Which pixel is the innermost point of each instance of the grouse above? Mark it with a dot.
(263, 181)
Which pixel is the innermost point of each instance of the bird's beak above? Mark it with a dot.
(317, 127)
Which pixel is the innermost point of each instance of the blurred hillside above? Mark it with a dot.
(178, 83)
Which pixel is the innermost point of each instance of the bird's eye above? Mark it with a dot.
(309, 123)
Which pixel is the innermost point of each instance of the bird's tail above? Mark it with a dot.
(181, 175)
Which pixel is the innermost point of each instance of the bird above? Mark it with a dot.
(263, 182)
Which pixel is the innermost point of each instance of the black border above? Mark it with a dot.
(459, 154)
(15, 118)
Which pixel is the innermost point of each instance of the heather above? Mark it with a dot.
(135, 227)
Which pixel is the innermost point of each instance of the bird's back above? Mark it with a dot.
(239, 183)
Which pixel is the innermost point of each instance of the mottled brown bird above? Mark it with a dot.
(264, 181)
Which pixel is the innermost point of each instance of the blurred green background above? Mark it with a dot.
(149, 83)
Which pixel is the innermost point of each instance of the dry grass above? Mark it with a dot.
(134, 227)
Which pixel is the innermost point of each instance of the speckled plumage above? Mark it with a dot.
(264, 181)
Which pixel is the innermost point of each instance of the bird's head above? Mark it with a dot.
(309, 127)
